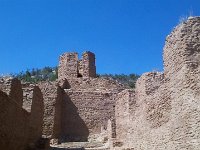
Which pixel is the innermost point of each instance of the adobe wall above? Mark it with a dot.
(166, 114)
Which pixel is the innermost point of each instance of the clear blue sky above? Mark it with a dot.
(127, 36)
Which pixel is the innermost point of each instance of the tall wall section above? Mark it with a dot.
(14, 127)
(52, 95)
(88, 102)
(166, 114)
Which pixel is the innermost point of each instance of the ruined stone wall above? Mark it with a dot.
(68, 66)
(124, 101)
(87, 112)
(20, 127)
(88, 64)
(14, 126)
(37, 114)
(71, 67)
(52, 95)
(92, 84)
(13, 88)
(167, 110)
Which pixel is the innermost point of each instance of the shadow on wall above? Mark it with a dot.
(73, 128)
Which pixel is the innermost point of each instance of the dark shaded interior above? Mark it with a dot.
(66, 85)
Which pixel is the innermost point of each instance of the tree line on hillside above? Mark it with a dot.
(128, 80)
(51, 74)
(36, 75)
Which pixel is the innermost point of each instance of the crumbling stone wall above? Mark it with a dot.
(71, 67)
(14, 126)
(52, 95)
(68, 65)
(91, 84)
(37, 114)
(19, 128)
(77, 105)
(87, 102)
(166, 114)
(13, 88)
(87, 65)
(94, 109)
(122, 113)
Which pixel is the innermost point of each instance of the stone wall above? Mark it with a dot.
(13, 88)
(14, 126)
(71, 67)
(19, 129)
(93, 108)
(52, 95)
(166, 112)
(37, 115)
(88, 65)
(125, 100)
(68, 65)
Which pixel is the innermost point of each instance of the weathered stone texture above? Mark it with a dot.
(166, 114)
(13, 88)
(94, 108)
(52, 105)
(162, 112)
(68, 65)
(125, 100)
(71, 67)
(14, 126)
(20, 129)
(37, 114)
(88, 65)
(92, 84)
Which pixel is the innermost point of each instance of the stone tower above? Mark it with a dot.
(71, 67)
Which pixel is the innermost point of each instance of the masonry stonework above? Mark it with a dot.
(166, 114)
(71, 67)
(19, 129)
(161, 113)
